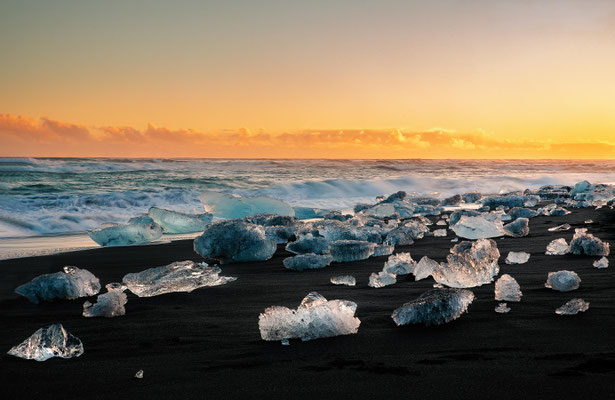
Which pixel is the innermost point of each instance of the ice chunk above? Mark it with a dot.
(589, 221)
(235, 241)
(314, 318)
(139, 374)
(110, 304)
(601, 263)
(138, 231)
(279, 234)
(557, 247)
(177, 222)
(399, 264)
(307, 261)
(586, 243)
(439, 233)
(573, 307)
(470, 264)
(48, 342)
(507, 289)
(351, 250)
(309, 244)
(381, 210)
(580, 187)
(477, 227)
(520, 212)
(434, 307)
(559, 228)
(347, 280)
(518, 228)
(71, 283)
(502, 308)
(424, 268)
(452, 201)
(381, 279)
(563, 281)
(231, 206)
(510, 201)
(517, 257)
(441, 222)
(383, 250)
(472, 197)
(406, 233)
(180, 276)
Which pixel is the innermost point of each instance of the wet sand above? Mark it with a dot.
(206, 344)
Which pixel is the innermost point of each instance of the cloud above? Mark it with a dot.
(23, 136)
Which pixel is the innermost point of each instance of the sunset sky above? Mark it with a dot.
(361, 79)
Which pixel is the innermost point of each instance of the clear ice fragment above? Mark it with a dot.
(601, 263)
(557, 247)
(110, 304)
(71, 283)
(517, 257)
(507, 289)
(346, 280)
(381, 279)
(434, 307)
(502, 308)
(399, 264)
(573, 307)
(586, 243)
(351, 250)
(48, 342)
(177, 222)
(470, 264)
(563, 281)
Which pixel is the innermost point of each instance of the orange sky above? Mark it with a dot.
(343, 79)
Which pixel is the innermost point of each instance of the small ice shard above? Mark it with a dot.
(470, 264)
(518, 228)
(441, 223)
(351, 250)
(455, 240)
(424, 268)
(71, 283)
(559, 228)
(439, 233)
(307, 261)
(138, 231)
(383, 250)
(180, 276)
(507, 289)
(110, 304)
(573, 307)
(223, 205)
(381, 279)
(557, 247)
(285, 342)
(589, 221)
(235, 241)
(438, 285)
(563, 281)
(434, 307)
(601, 263)
(309, 244)
(347, 280)
(48, 342)
(399, 264)
(177, 222)
(586, 243)
(502, 308)
(517, 257)
(478, 227)
(314, 318)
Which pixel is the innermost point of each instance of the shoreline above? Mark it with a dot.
(206, 344)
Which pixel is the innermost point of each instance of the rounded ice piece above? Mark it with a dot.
(563, 281)
(558, 247)
(507, 289)
(346, 280)
(139, 231)
(309, 244)
(351, 250)
(308, 261)
(518, 228)
(434, 307)
(517, 257)
(235, 241)
(71, 283)
(381, 279)
(478, 227)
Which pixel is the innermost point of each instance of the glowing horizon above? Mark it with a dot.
(337, 79)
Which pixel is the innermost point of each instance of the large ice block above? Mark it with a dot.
(48, 342)
(434, 307)
(223, 205)
(71, 283)
(235, 241)
(470, 264)
(180, 276)
(316, 317)
(139, 231)
(351, 250)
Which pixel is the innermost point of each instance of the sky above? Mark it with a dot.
(308, 79)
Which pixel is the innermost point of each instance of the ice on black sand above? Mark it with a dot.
(434, 307)
(48, 342)
(110, 304)
(71, 283)
(563, 281)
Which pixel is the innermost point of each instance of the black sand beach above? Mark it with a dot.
(206, 344)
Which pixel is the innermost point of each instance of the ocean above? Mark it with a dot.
(59, 196)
